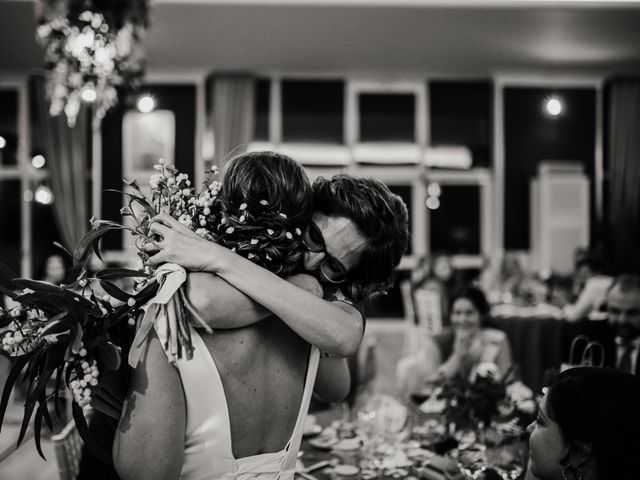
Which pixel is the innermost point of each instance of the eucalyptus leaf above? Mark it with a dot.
(109, 354)
(114, 291)
(116, 273)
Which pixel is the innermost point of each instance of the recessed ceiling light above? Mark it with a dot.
(146, 104)
(554, 106)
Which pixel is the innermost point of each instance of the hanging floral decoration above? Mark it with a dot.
(92, 52)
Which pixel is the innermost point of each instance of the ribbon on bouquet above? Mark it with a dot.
(167, 314)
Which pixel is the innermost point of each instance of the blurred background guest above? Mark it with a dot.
(458, 349)
(590, 286)
(588, 427)
(54, 270)
(623, 313)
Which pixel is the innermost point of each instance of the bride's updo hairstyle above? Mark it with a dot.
(599, 409)
(265, 203)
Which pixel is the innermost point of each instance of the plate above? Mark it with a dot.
(311, 431)
(323, 442)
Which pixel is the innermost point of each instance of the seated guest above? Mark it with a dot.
(590, 288)
(623, 313)
(457, 350)
(588, 427)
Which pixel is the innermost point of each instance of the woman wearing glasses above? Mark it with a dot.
(355, 222)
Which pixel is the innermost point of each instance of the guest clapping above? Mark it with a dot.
(458, 349)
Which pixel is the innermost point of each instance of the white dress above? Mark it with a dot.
(208, 452)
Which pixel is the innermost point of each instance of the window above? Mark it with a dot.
(387, 117)
(263, 104)
(313, 111)
(8, 128)
(10, 213)
(454, 225)
(461, 115)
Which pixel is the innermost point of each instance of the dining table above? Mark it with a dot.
(335, 447)
(540, 339)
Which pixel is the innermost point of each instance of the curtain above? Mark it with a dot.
(66, 150)
(624, 172)
(231, 114)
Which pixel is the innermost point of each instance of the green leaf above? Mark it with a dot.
(56, 327)
(14, 373)
(114, 291)
(109, 354)
(85, 434)
(61, 247)
(95, 245)
(100, 228)
(39, 389)
(6, 276)
(36, 285)
(37, 429)
(115, 273)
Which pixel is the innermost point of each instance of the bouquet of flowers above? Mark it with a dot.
(484, 399)
(67, 336)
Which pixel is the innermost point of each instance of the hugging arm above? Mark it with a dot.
(335, 327)
(149, 441)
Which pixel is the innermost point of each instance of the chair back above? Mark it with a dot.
(428, 308)
(68, 445)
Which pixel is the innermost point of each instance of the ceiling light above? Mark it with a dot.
(434, 190)
(146, 104)
(433, 203)
(38, 161)
(44, 195)
(554, 106)
(3, 142)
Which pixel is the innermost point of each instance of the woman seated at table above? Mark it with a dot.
(588, 427)
(457, 350)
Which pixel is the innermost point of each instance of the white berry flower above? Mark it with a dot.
(230, 230)
(288, 235)
(264, 202)
(283, 215)
(269, 231)
(131, 302)
(254, 241)
(243, 206)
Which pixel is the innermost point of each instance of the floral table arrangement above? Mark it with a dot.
(477, 420)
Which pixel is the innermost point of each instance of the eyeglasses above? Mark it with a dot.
(330, 268)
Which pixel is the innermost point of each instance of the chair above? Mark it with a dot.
(410, 345)
(428, 308)
(67, 446)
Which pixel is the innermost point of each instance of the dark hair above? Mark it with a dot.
(264, 203)
(476, 297)
(626, 283)
(381, 217)
(599, 407)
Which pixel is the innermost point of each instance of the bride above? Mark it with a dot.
(237, 407)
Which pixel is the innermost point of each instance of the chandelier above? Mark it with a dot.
(92, 52)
